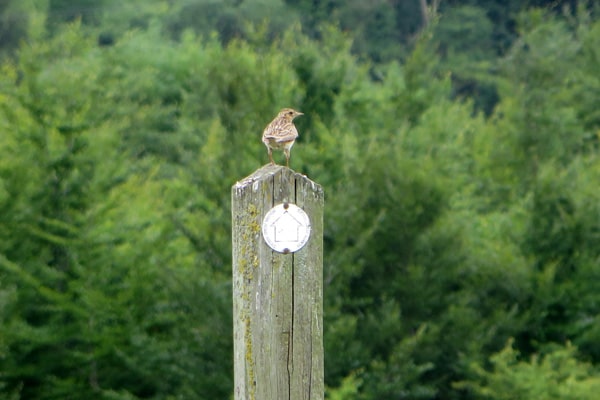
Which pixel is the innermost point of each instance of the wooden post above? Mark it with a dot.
(277, 298)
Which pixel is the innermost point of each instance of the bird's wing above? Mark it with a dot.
(286, 137)
(282, 134)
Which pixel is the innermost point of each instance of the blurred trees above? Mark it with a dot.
(556, 375)
(449, 232)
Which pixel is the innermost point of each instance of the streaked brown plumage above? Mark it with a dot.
(281, 133)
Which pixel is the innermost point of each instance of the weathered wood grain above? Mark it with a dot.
(277, 298)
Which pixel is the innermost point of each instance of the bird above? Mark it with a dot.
(281, 133)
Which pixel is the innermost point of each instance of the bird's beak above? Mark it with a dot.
(299, 113)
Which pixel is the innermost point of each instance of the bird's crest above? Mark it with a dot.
(289, 113)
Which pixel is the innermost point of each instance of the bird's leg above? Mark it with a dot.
(271, 155)
(287, 157)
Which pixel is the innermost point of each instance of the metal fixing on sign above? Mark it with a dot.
(286, 228)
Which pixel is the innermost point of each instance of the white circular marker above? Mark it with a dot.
(286, 228)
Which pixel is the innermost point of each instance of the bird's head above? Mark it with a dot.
(289, 114)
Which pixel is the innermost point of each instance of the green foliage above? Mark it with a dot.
(13, 26)
(231, 19)
(465, 33)
(446, 232)
(347, 391)
(381, 29)
(466, 44)
(87, 201)
(557, 375)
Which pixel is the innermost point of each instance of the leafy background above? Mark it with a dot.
(458, 147)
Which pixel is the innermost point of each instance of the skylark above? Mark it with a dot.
(281, 134)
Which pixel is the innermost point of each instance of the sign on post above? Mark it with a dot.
(286, 228)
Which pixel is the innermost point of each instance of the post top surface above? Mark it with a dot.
(268, 171)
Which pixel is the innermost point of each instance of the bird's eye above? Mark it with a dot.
(291, 112)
